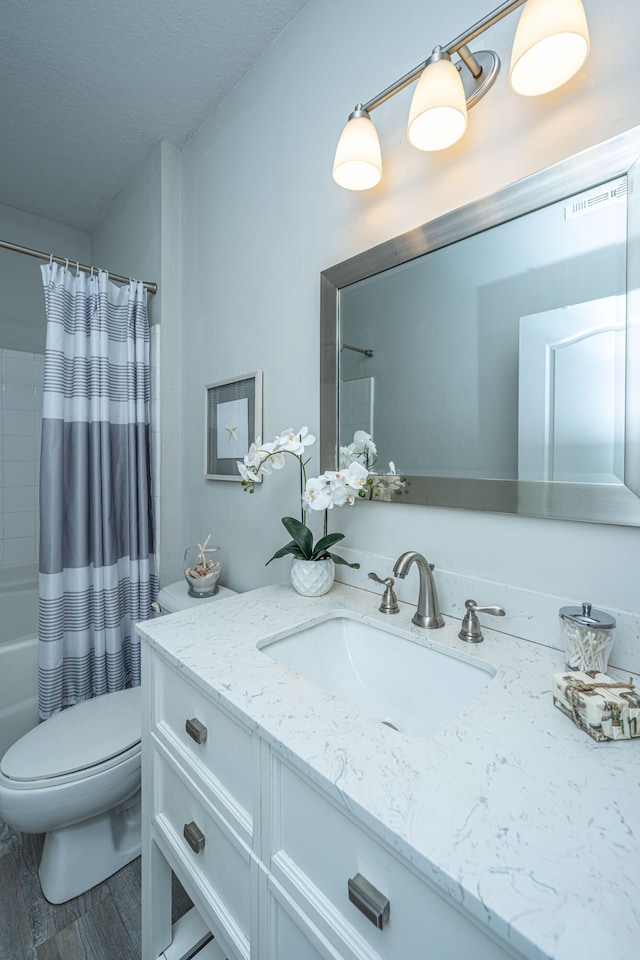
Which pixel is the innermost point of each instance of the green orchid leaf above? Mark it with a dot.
(291, 548)
(337, 559)
(326, 542)
(301, 535)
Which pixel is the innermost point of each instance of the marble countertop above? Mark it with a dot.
(511, 810)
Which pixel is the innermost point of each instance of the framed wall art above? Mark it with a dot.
(232, 421)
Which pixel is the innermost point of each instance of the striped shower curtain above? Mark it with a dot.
(97, 565)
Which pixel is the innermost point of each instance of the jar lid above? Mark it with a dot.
(586, 616)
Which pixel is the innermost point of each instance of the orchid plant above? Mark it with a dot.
(330, 489)
(363, 450)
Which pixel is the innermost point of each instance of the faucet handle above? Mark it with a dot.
(471, 631)
(389, 603)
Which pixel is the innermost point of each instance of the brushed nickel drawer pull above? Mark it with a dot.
(196, 730)
(369, 900)
(194, 836)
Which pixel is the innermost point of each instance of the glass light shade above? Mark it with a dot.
(358, 161)
(438, 115)
(550, 45)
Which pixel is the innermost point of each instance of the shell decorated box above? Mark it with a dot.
(602, 706)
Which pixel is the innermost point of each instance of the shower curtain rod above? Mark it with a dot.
(151, 287)
(367, 353)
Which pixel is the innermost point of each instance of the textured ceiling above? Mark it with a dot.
(87, 87)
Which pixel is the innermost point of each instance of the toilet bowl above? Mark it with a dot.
(76, 778)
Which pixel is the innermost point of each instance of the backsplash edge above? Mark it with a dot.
(529, 614)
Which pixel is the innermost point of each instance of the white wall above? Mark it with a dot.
(127, 238)
(22, 317)
(139, 236)
(262, 218)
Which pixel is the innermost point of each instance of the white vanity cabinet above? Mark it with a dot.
(198, 813)
(266, 852)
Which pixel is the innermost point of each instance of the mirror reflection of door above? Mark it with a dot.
(575, 353)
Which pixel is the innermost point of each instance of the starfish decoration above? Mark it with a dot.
(203, 563)
(232, 430)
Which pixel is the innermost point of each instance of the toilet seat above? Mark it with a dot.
(89, 738)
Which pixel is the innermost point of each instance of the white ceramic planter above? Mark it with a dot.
(312, 578)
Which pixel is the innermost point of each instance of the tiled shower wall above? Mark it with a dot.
(356, 407)
(21, 376)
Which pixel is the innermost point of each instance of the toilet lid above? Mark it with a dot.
(80, 737)
(175, 597)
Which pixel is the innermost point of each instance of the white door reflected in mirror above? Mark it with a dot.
(571, 393)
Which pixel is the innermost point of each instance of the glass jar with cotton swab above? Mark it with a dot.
(588, 637)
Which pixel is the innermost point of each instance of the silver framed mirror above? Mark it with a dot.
(462, 345)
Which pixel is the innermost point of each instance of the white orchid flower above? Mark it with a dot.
(362, 450)
(295, 441)
(345, 457)
(259, 461)
(265, 458)
(341, 494)
(273, 461)
(364, 441)
(355, 476)
(252, 457)
(316, 495)
(338, 492)
(247, 474)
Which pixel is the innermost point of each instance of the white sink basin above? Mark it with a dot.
(386, 675)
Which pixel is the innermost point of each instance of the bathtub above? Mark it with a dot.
(18, 653)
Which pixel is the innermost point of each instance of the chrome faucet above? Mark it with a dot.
(427, 615)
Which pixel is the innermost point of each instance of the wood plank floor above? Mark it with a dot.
(102, 924)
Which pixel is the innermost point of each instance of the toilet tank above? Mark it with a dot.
(175, 597)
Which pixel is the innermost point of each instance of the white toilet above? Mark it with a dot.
(76, 777)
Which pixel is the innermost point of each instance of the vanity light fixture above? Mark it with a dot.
(358, 160)
(438, 115)
(550, 46)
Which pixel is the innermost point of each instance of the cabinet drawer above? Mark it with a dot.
(219, 748)
(287, 933)
(316, 848)
(223, 870)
